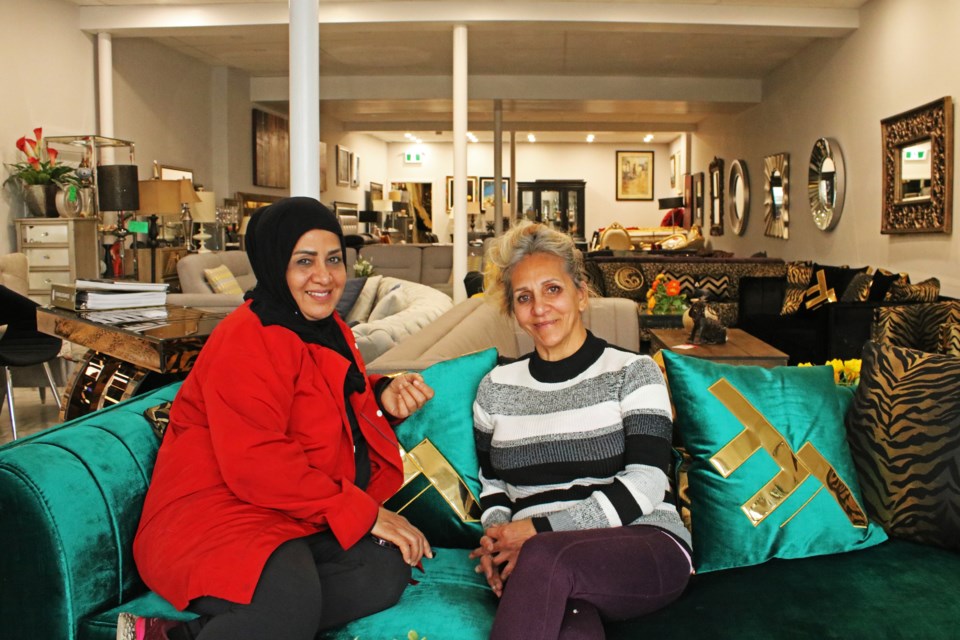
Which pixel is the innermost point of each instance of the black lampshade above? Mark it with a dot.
(118, 188)
(369, 216)
(671, 203)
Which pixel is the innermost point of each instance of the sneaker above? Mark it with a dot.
(131, 627)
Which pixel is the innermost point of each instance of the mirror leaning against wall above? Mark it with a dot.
(826, 183)
(738, 206)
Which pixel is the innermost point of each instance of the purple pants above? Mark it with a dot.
(566, 581)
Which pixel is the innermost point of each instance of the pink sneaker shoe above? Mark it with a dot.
(131, 627)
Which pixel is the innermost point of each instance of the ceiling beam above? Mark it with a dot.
(158, 20)
(717, 90)
(487, 125)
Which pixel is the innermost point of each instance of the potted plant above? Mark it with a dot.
(39, 177)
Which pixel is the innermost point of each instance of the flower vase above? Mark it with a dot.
(41, 199)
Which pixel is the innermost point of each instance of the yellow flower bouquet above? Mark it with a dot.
(845, 372)
(664, 297)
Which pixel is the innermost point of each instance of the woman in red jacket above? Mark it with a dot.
(264, 511)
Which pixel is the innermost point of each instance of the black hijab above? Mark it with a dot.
(272, 234)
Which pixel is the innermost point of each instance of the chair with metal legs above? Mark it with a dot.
(21, 345)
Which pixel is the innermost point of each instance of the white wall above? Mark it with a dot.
(595, 163)
(49, 81)
(901, 57)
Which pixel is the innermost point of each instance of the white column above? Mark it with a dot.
(514, 205)
(305, 98)
(105, 82)
(497, 167)
(459, 162)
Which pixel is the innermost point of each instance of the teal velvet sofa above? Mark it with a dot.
(70, 499)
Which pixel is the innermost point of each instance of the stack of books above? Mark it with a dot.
(100, 295)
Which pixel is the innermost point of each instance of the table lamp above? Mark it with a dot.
(117, 191)
(162, 198)
(204, 211)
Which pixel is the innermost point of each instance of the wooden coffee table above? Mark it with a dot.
(740, 348)
(122, 362)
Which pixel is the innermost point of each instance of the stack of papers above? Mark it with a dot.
(90, 295)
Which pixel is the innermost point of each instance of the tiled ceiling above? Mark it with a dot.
(543, 67)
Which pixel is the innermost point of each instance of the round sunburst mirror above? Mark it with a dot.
(776, 195)
(825, 183)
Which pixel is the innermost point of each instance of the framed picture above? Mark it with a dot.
(634, 175)
(354, 170)
(271, 150)
(323, 167)
(487, 192)
(376, 191)
(473, 185)
(675, 172)
(344, 162)
(345, 208)
(698, 183)
(168, 172)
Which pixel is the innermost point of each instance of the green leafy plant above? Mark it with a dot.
(664, 297)
(362, 268)
(40, 166)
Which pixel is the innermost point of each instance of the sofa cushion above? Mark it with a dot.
(926, 291)
(221, 280)
(827, 284)
(363, 305)
(950, 339)
(451, 602)
(859, 288)
(916, 325)
(440, 455)
(881, 282)
(389, 303)
(904, 432)
(623, 280)
(771, 474)
(159, 418)
(351, 293)
(798, 280)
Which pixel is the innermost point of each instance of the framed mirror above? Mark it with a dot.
(738, 207)
(716, 197)
(826, 181)
(918, 169)
(776, 195)
(698, 203)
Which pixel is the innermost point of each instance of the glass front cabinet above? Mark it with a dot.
(558, 203)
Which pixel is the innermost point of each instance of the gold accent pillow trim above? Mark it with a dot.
(425, 459)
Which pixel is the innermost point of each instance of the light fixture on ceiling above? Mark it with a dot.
(531, 137)
(591, 137)
(648, 137)
(408, 135)
(471, 137)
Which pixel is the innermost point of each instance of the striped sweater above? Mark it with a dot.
(581, 443)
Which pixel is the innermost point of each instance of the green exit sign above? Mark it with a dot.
(413, 157)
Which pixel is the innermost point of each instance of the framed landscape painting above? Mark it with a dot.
(634, 175)
(487, 192)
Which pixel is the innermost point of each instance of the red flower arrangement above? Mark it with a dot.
(41, 166)
(664, 297)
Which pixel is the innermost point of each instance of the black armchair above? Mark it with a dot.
(21, 345)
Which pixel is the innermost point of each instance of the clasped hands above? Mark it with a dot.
(406, 393)
(499, 549)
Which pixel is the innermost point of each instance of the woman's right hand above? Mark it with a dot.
(395, 528)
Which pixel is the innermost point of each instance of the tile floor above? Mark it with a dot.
(32, 415)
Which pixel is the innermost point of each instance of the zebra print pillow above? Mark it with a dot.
(798, 278)
(904, 433)
(950, 339)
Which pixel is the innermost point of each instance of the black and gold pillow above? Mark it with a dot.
(624, 280)
(688, 281)
(828, 284)
(882, 281)
(717, 287)
(798, 279)
(904, 432)
(859, 288)
(950, 339)
(926, 291)
(159, 418)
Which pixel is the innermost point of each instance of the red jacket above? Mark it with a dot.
(258, 452)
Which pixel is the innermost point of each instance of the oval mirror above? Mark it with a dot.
(825, 183)
(738, 206)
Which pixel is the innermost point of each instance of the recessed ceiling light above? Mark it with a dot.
(648, 137)
(591, 137)
(531, 137)
(408, 135)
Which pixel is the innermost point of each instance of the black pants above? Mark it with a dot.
(309, 584)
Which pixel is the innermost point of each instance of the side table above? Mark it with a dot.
(123, 362)
(740, 348)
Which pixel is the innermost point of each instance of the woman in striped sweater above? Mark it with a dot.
(574, 444)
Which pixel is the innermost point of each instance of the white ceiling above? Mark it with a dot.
(617, 68)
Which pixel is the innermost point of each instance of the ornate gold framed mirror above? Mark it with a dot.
(826, 183)
(776, 195)
(918, 169)
(738, 207)
(716, 196)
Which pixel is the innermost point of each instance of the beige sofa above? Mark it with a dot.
(474, 324)
(429, 264)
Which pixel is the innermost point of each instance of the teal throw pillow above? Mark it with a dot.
(441, 487)
(771, 474)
